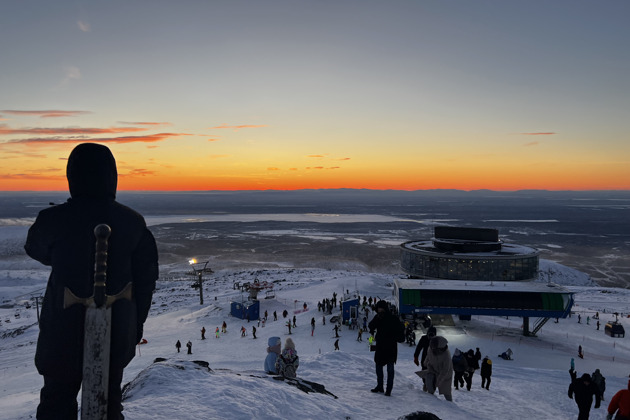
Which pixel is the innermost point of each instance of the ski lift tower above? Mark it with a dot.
(197, 270)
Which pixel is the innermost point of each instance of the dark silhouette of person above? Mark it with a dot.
(584, 390)
(63, 238)
(178, 345)
(389, 332)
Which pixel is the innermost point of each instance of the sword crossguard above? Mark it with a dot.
(99, 297)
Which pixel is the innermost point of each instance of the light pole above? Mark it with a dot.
(198, 268)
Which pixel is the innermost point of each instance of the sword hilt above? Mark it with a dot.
(102, 233)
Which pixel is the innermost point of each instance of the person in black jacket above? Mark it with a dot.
(421, 351)
(63, 238)
(473, 365)
(389, 332)
(486, 372)
(584, 390)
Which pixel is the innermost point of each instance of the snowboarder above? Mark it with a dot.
(203, 333)
(486, 372)
(389, 332)
(62, 237)
(288, 361)
(273, 350)
(584, 390)
(178, 345)
(620, 403)
(189, 345)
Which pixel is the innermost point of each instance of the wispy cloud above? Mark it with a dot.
(322, 167)
(237, 127)
(71, 73)
(550, 133)
(532, 143)
(316, 156)
(41, 175)
(84, 26)
(137, 172)
(45, 114)
(67, 131)
(153, 124)
(149, 138)
(346, 158)
(273, 168)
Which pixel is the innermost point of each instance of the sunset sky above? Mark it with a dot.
(268, 94)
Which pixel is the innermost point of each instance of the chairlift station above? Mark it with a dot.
(469, 271)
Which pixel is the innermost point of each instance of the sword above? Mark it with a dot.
(97, 325)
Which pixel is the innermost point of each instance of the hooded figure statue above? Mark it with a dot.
(63, 238)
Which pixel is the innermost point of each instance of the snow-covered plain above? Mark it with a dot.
(533, 385)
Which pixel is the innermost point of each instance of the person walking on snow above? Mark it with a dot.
(203, 333)
(389, 332)
(312, 326)
(439, 372)
(189, 345)
(178, 345)
(486, 372)
(216, 332)
(584, 390)
(336, 344)
(620, 403)
(600, 382)
(459, 367)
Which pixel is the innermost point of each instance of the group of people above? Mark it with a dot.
(588, 387)
(281, 362)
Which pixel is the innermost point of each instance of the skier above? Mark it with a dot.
(312, 326)
(486, 372)
(288, 361)
(336, 344)
(178, 345)
(584, 391)
(62, 237)
(336, 330)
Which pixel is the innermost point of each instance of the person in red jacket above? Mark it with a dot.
(620, 403)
